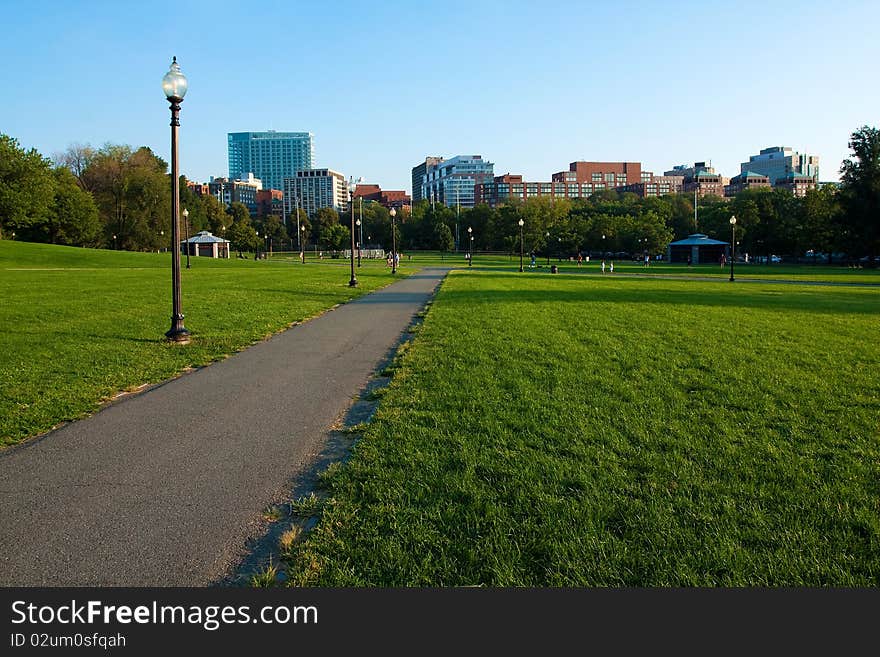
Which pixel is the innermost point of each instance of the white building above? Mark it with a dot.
(313, 189)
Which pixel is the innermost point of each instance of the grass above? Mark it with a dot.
(742, 271)
(597, 431)
(78, 326)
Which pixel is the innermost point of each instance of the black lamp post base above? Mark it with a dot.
(177, 333)
(353, 283)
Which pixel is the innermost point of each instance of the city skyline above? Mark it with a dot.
(530, 89)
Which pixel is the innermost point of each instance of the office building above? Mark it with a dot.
(797, 183)
(684, 171)
(396, 199)
(779, 162)
(419, 178)
(270, 156)
(652, 185)
(270, 203)
(611, 174)
(313, 189)
(452, 182)
(746, 180)
(236, 191)
(704, 184)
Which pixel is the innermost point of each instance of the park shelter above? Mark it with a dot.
(205, 244)
(699, 247)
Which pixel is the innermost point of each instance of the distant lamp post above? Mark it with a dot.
(174, 85)
(547, 235)
(186, 234)
(352, 185)
(358, 222)
(471, 247)
(302, 244)
(732, 244)
(521, 245)
(114, 241)
(393, 212)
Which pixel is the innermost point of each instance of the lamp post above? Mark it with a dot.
(351, 187)
(360, 235)
(114, 241)
(471, 247)
(174, 85)
(520, 245)
(302, 242)
(161, 240)
(393, 212)
(186, 234)
(548, 247)
(732, 244)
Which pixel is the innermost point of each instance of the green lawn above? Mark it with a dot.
(742, 271)
(79, 325)
(599, 431)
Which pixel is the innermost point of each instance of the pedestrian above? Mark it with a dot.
(580, 259)
(647, 259)
(723, 260)
(397, 260)
(533, 260)
(603, 266)
(611, 267)
(689, 261)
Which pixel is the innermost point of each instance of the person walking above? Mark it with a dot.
(611, 267)
(603, 266)
(580, 259)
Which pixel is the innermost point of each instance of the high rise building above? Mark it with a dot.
(452, 181)
(313, 189)
(419, 178)
(236, 191)
(779, 162)
(270, 156)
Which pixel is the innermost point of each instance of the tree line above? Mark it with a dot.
(119, 197)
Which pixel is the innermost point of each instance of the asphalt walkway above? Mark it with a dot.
(165, 488)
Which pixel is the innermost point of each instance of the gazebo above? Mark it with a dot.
(699, 248)
(205, 244)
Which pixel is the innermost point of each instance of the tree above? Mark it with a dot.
(133, 193)
(27, 186)
(860, 195)
(77, 159)
(334, 236)
(241, 234)
(73, 218)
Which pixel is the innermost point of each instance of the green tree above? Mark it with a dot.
(73, 218)
(241, 234)
(334, 236)
(27, 187)
(859, 221)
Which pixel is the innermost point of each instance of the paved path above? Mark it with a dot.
(165, 488)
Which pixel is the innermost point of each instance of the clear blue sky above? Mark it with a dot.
(530, 86)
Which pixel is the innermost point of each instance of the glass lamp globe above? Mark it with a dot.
(174, 83)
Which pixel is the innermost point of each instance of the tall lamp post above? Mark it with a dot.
(351, 187)
(302, 242)
(174, 85)
(520, 245)
(360, 237)
(732, 244)
(114, 241)
(393, 212)
(547, 235)
(186, 234)
(471, 247)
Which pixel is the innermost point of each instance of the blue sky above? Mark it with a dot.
(529, 86)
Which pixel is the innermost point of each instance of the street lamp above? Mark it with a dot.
(548, 247)
(471, 249)
(352, 184)
(174, 86)
(732, 244)
(114, 242)
(360, 235)
(393, 212)
(520, 245)
(302, 244)
(186, 234)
